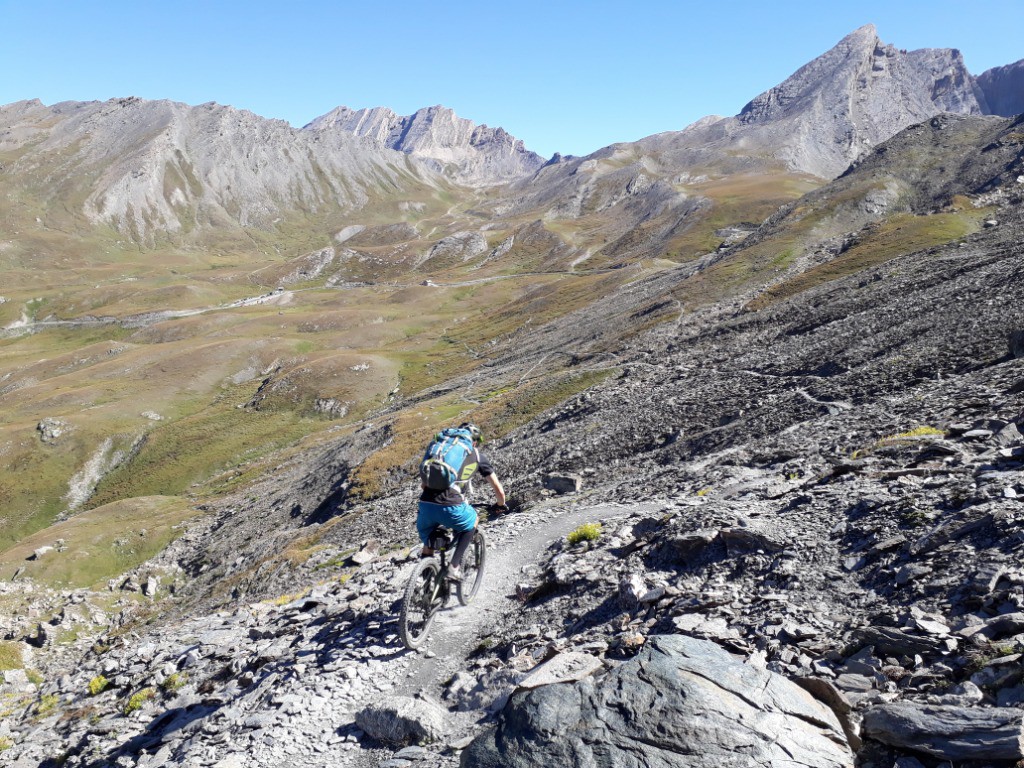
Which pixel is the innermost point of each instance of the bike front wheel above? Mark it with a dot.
(419, 605)
(473, 568)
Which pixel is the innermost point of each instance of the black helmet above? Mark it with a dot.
(474, 430)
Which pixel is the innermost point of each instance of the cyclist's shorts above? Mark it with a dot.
(460, 517)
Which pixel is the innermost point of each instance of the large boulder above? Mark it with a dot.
(402, 720)
(680, 703)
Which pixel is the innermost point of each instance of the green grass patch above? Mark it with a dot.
(741, 199)
(100, 543)
(46, 705)
(36, 477)
(192, 449)
(916, 432)
(900, 235)
(138, 700)
(174, 682)
(586, 532)
(10, 655)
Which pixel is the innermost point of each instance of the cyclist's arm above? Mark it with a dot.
(499, 491)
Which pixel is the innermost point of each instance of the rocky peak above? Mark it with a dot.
(473, 154)
(1003, 88)
(881, 78)
(855, 96)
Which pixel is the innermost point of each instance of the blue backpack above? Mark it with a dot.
(446, 458)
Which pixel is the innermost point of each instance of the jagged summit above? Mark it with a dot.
(884, 81)
(855, 96)
(480, 155)
(840, 105)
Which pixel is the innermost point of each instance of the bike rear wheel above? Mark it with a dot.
(418, 605)
(473, 568)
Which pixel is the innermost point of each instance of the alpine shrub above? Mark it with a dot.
(586, 532)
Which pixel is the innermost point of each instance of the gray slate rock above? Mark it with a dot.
(401, 720)
(563, 483)
(951, 733)
(1016, 344)
(680, 702)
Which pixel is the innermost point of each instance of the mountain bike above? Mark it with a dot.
(429, 589)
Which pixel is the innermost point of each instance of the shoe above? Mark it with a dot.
(454, 573)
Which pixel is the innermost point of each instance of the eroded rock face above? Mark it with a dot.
(680, 702)
(857, 95)
(152, 166)
(476, 154)
(1003, 88)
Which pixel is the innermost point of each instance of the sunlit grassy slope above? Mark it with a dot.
(162, 377)
(99, 544)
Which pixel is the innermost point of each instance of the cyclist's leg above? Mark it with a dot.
(464, 524)
(428, 517)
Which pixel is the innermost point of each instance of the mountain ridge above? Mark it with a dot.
(482, 156)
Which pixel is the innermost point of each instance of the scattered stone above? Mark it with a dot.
(563, 483)
(369, 553)
(563, 668)
(51, 430)
(39, 553)
(690, 546)
(895, 642)
(150, 586)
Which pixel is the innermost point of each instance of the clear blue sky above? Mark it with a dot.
(569, 77)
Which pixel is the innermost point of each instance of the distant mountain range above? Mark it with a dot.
(147, 167)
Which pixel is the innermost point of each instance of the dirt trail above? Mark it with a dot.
(514, 542)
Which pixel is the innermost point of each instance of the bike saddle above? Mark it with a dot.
(440, 538)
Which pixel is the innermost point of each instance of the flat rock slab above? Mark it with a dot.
(949, 732)
(680, 703)
(564, 668)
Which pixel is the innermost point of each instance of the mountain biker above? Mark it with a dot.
(450, 508)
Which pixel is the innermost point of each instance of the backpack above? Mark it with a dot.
(445, 458)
